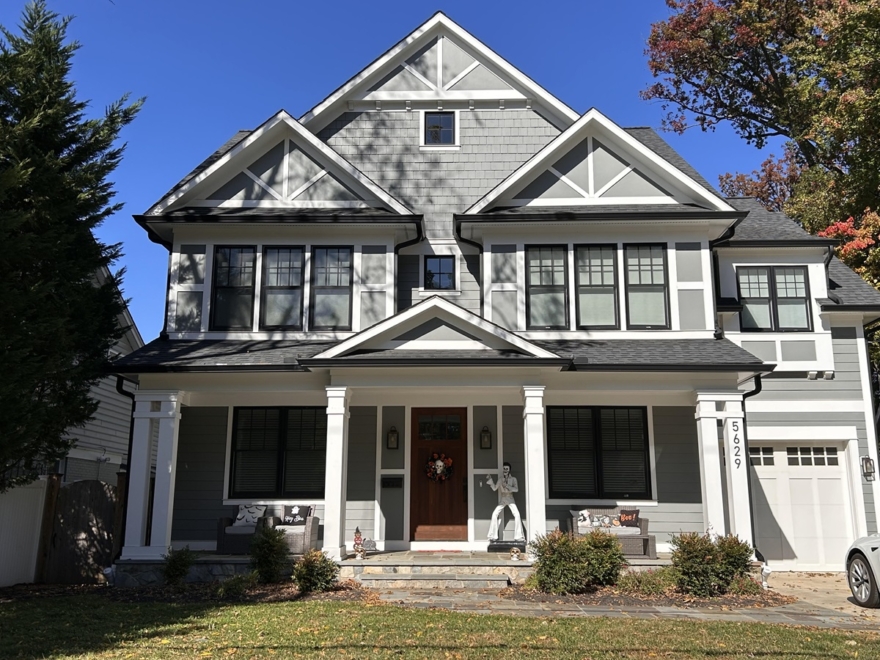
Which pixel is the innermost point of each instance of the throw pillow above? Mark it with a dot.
(248, 514)
(296, 514)
(629, 517)
(583, 517)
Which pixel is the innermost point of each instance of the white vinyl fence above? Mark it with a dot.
(21, 514)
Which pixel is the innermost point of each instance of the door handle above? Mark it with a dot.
(464, 489)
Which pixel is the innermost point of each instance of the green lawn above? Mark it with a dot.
(94, 627)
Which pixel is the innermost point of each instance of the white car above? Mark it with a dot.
(863, 570)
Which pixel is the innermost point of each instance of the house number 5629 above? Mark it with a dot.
(737, 444)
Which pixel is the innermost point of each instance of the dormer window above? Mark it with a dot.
(774, 298)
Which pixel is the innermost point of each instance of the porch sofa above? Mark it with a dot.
(635, 541)
(235, 539)
(234, 535)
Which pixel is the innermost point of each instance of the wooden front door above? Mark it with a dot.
(438, 509)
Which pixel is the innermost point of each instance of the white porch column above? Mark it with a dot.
(710, 464)
(162, 408)
(336, 471)
(737, 466)
(533, 434)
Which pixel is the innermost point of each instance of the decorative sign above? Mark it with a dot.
(438, 467)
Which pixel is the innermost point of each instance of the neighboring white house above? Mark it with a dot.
(443, 257)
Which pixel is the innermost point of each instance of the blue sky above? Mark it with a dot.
(209, 68)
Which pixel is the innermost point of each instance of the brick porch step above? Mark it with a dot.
(433, 581)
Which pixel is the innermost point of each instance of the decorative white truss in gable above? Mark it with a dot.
(465, 330)
(595, 162)
(441, 66)
(281, 165)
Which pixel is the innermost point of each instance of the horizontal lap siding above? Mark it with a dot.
(846, 386)
(360, 508)
(201, 459)
(108, 429)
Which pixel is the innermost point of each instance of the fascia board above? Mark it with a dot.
(411, 42)
(282, 117)
(567, 138)
(423, 309)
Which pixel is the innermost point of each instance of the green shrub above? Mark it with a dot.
(315, 572)
(236, 586)
(708, 567)
(565, 564)
(735, 557)
(743, 585)
(177, 565)
(654, 582)
(270, 555)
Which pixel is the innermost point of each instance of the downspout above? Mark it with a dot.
(397, 249)
(119, 388)
(828, 257)
(164, 333)
(754, 392)
(479, 247)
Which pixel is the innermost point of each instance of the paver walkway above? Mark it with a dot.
(803, 613)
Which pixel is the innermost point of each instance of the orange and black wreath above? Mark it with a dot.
(438, 467)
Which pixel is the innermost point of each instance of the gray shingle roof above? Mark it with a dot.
(649, 137)
(763, 225)
(653, 353)
(598, 210)
(848, 287)
(214, 212)
(218, 355)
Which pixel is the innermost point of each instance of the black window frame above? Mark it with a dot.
(279, 492)
(529, 287)
(445, 113)
(773, 299)
(598, 477)
(253, 288)
(440, 257)
(265, 288)
(578, 286)
(315, 287)
(629, 287)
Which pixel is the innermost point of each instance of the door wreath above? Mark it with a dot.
(438, 467)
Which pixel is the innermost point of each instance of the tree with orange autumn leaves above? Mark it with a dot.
(806, 71)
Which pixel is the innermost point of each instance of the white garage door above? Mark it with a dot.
(803, 516)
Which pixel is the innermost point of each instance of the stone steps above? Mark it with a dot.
(425, 580)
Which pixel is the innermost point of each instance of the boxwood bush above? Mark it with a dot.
(707, 567)
(315, 572)
(270, 556)
(567, 564)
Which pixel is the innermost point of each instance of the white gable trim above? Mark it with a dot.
(307, 137)
(568, 138)
(438, 23)
(425, 308)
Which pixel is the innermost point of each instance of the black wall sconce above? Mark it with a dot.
(485, 438)
(392, 439)
(868, 467)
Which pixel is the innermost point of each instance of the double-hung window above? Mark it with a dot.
(232, 305)
(647, 289)
(596, 286)
(598, 452)
(331, 288)
(774, 298)
(546, 287)
(440, 273)
(281, 304)
(278, 452)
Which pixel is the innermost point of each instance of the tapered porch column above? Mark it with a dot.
(710, 465)
(533, 433)
(336, 471)
(737, 465)
(161, 408)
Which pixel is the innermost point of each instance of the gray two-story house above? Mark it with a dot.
(443, 258)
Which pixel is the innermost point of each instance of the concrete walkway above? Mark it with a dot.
(824, 601)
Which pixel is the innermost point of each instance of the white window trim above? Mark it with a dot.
(440, 147)
(440, 252)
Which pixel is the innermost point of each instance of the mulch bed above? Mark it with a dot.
(346, 591)
(613, 597)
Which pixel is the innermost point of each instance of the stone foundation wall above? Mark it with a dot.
(131, 573)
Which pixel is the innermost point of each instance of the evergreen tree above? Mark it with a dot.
(58, 301)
